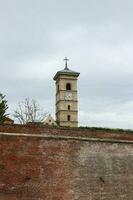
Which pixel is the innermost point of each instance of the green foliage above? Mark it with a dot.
(3, 108)
(97, 129)
(112, 130)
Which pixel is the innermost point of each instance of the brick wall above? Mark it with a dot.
(41, 163)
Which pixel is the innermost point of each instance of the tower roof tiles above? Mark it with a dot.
(66, 71)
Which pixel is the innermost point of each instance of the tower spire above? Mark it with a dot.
(66, 60)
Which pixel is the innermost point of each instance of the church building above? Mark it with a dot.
(66, 97)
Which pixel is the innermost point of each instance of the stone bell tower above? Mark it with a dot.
(66, 97)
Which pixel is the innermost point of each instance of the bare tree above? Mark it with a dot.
(29, 111)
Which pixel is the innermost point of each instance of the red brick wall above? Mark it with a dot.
(65, 168)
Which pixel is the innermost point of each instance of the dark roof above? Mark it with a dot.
(66, 71)
(8, 119)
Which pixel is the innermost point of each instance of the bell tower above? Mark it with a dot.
(66, 97)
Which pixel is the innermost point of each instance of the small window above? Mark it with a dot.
(69, 107)
(68, 86)
(50, 120)
(58, 88)
(69, 118)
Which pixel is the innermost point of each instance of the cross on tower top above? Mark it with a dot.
(66, 60)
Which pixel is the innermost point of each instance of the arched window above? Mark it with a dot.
(69, 107)
(68, 86)
(58, 88)
(68, 118)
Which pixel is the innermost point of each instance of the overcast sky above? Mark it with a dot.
(97, 37)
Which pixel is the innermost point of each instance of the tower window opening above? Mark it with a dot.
(68, 118)
(68, 86)
(58, 88)
(69, 107)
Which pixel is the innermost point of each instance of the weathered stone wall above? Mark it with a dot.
(39, 163)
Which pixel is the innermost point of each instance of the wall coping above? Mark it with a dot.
(83, 134)
(60, 137)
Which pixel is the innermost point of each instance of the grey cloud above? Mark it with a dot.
(96, 35)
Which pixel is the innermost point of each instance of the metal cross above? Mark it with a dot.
(66, 60)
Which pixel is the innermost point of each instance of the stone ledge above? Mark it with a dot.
(53, 137)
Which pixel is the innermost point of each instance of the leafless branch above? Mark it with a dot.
(29, 111)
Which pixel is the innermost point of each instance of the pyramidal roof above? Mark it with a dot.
(66, 71)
